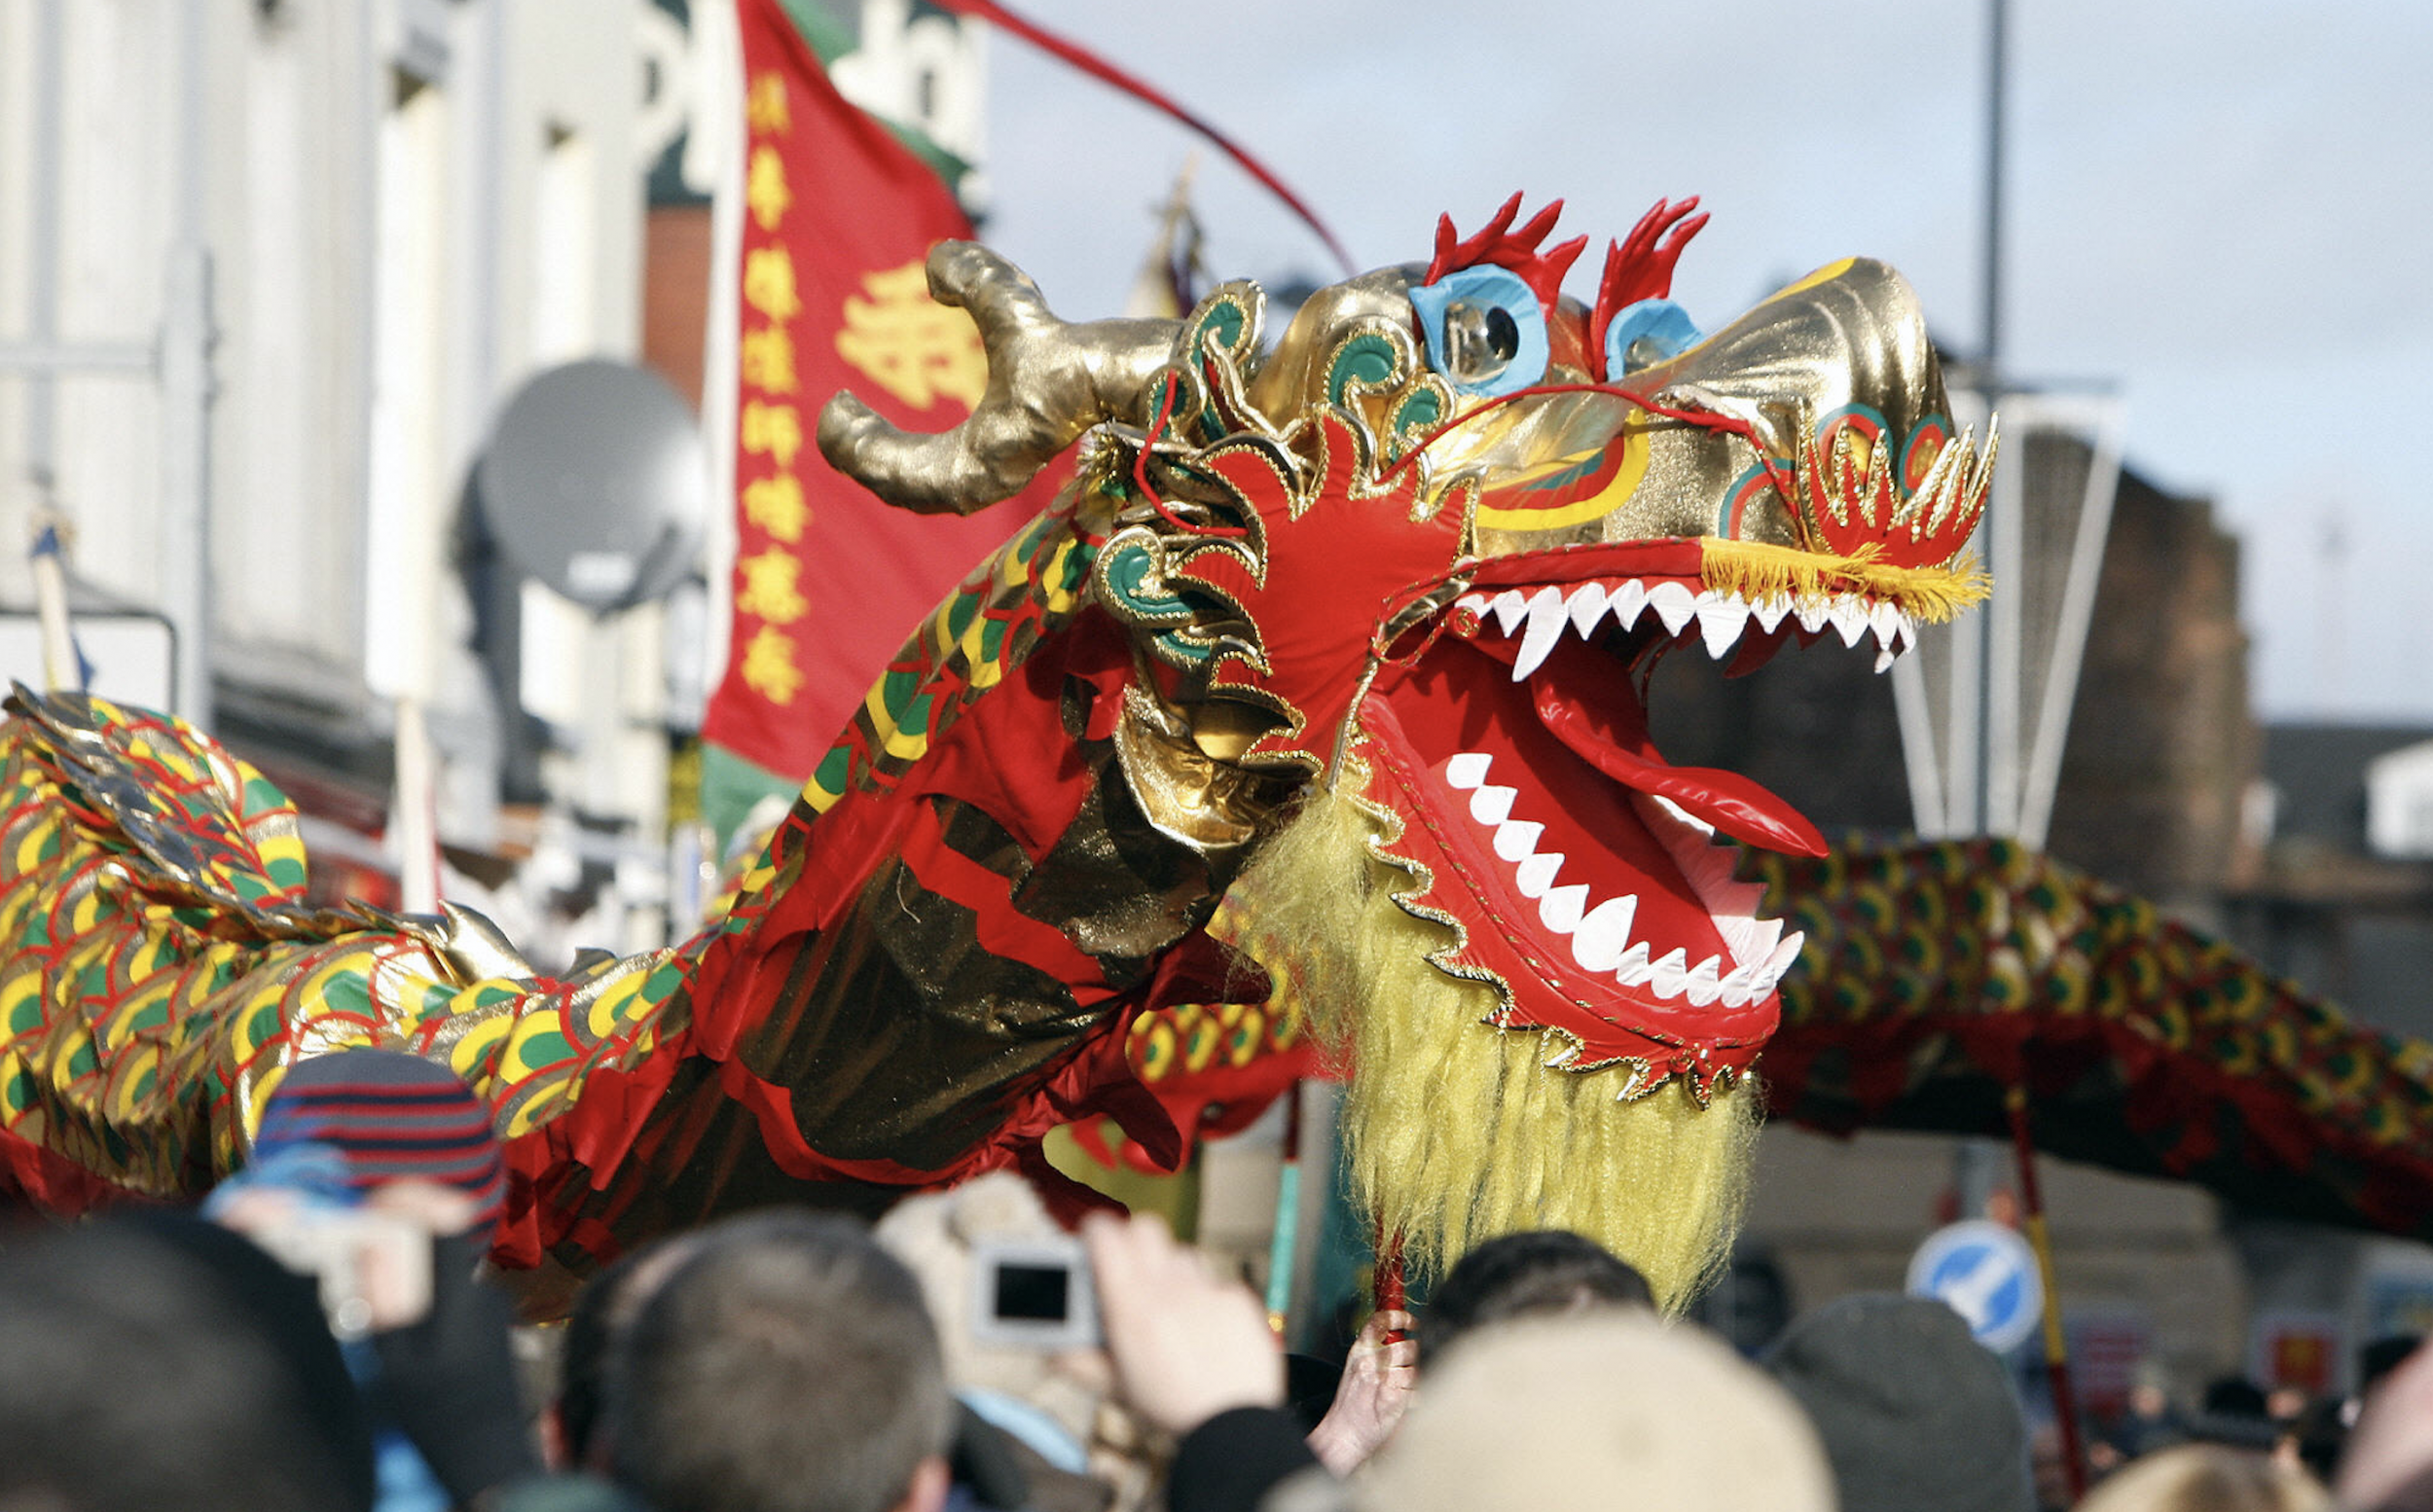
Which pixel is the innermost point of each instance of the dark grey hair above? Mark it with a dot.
(789, 1366)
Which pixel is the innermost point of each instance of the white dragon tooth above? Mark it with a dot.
(1740, 986)
(1721, 620)
(1466, 771)
(1546, 618)
(1707, 869)
(1710, 876)
(1813, 613)
(1764, 935)
(1907, 636)
(1492, 804)
(1534, 875)
(1597, 944)
(1674, 811)
(1885, 621)
(1587, 606)
(1705, 982)
(1779, 963)
(1559, 910)
(1715, 868)
(1674, 604)
(1475, 603)
(1670, 974)
(1734, 898)
(1516, 840)
(1632, 969)
(1508, 606)
(1735, 928)
(1625, 602)
(1849, 618)
(1769, 611)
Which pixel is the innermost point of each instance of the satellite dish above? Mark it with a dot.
(596, 482)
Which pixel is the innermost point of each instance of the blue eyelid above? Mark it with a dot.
(1483, 286)
(1661, 323)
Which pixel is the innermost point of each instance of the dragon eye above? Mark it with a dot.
(1486, 332)
(1479, 344)
(1503, 335)
(1645, 334)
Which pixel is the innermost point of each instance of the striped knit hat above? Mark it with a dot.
(394, 1117)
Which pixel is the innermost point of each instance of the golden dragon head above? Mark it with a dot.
(1412, 561)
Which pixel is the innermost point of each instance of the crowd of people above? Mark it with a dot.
(288, 1350)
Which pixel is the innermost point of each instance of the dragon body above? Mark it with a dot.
(1344, 632)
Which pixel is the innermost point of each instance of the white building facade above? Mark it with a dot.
(269, 268)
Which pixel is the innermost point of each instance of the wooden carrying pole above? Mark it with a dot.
(2057, 1341)
(1389, 1289)
(1283, 1247)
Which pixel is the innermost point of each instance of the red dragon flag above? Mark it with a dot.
(839, 216)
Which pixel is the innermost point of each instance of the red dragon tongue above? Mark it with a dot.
(1732, 804)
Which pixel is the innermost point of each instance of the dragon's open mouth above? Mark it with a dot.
(1591, 876)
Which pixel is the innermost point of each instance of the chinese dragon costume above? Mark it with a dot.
(1349, 632)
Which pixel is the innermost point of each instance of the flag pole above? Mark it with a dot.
(62, 664)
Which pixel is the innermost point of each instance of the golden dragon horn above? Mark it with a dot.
(1048, 382)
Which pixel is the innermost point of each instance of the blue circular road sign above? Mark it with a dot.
(1986, 1273)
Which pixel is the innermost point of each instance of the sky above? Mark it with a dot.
(2220, 210)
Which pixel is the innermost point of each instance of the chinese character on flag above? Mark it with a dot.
(839, 217)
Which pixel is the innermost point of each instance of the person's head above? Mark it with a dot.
(2150, 1392)
(595, 1328)
(1614, 1408)
(1520, 1275)
(2206, 1478)
(787, 1367)
(2233, 1414)
(160, 1361)
(394, 1118)
(1913, 1411)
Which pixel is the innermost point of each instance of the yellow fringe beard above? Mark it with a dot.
(1456, 1132)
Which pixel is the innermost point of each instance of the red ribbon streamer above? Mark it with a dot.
(1100, 69)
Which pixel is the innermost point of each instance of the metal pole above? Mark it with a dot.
(2078, 604)
(40, 362)
(1928, 799)
(42, 260)
(186, 476)
(2004, 623)
(489, 218)
(62, 667)
(1983, 675)
(186, 338)
(1998, 19)
(1967, 772)
(1982, 652)
(413, 819)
